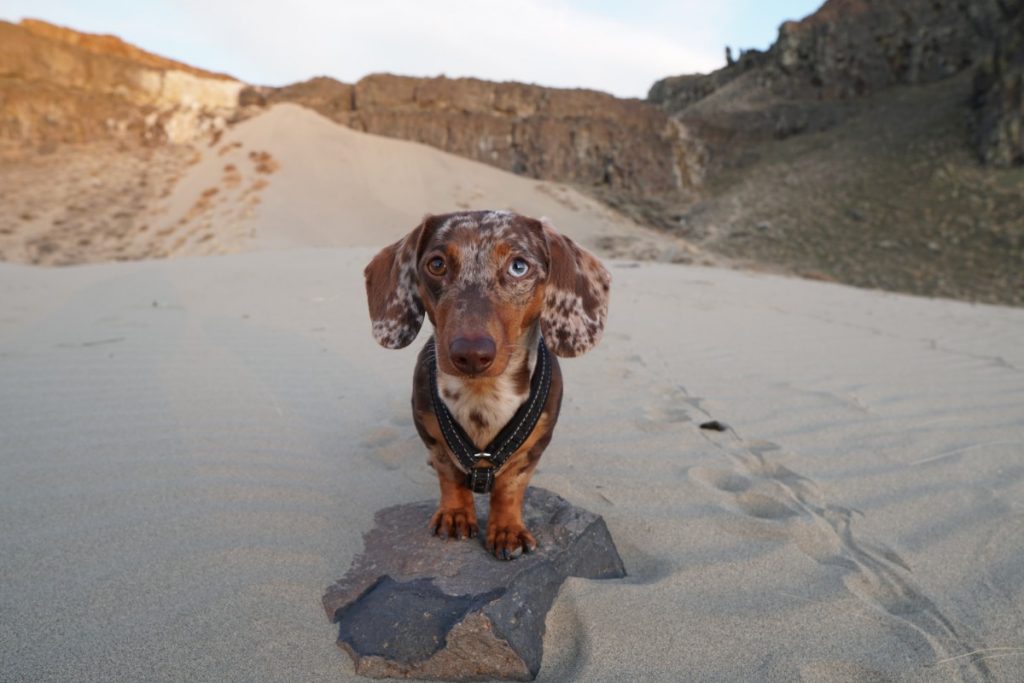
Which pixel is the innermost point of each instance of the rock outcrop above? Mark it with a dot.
(416, 606)
(676, 93)
(851, 47)
(999, 92)
(578, 136)
(59, 85)
(813, 75)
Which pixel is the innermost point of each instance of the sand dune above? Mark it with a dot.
(290, 177)
(190, 450)
(287, 177)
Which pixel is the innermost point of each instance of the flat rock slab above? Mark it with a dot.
(416, 606)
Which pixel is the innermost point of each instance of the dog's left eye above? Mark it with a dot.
(437, 266)
(518, 268)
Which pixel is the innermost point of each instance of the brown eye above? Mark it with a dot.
(436, 266)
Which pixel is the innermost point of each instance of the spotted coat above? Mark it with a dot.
(563, 296)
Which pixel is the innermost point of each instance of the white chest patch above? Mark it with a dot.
(481, 413)
(482, 410)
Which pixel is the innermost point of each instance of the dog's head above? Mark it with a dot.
(484, 278)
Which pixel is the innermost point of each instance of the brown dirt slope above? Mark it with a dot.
(852, 150)
(111, 46)
(60, 86)
(891, 198)
(94, 133)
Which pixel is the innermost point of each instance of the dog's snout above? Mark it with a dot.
(472, 355)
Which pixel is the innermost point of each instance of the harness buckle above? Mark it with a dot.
(481, 479)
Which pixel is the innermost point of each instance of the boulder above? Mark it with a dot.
(415, 606)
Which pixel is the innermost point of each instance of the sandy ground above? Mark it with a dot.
(191, 449)
(86, 202)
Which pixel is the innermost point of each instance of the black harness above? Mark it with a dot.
(482, 465)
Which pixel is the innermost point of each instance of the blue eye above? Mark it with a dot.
(518, 267)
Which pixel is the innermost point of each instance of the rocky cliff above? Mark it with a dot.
(813, 75)
(578, 136)
(853, 47)
(850, 149)
(850, 47)
(59, 85)
(999, 91)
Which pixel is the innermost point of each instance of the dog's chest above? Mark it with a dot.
(483, 410)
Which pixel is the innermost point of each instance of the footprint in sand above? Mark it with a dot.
(764, 506)
(673, 407)
(627, 366)
(386, 446)
(778, 503)
(756, 497)
(723, 480)
(660, 418)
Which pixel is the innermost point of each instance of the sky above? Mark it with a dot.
(617, 46)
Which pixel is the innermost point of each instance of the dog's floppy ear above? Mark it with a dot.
(575, 298)
(392, 292)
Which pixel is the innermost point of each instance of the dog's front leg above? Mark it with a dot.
(456, 513)
(507, 536)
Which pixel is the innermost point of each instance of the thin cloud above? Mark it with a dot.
(617, 47)
(549, 43)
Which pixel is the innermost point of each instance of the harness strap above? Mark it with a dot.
(482, 465)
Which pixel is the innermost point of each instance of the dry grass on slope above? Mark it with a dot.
(892, 198)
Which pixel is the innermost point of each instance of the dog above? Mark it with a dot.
(506, 295)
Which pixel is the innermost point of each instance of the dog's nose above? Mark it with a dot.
(472, 355)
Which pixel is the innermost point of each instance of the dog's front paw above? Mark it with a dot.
(454, 523)
(509, 540)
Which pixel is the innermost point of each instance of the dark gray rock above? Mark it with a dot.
(810, 79)
(851, 47)
(676, 93)
(414, 605)
(998, 97)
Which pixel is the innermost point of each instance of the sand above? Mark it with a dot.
(191, 450)
(357, 189)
